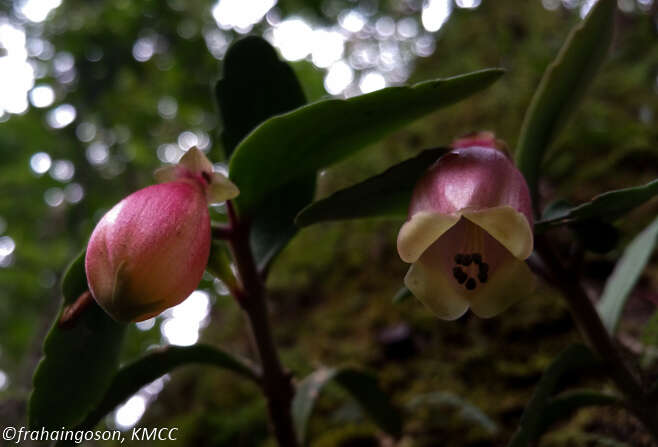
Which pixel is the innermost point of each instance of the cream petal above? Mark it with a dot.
(510, 283)
(195, 161)
(221, 189)
(507, 279)
(435, 291)
(421, 231)
(166, 174)
(507, 226)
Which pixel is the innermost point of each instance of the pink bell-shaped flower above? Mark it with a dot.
(149, 251)
(469, 231)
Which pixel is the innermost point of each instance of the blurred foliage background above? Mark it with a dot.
(96, 94)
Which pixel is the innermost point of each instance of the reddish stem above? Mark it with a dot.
(277, 384)
(223, 232)
(593, 330)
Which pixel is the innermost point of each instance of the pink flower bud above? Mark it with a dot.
(149, 251)
(469, 231)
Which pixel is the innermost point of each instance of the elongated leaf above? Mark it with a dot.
(78, 363)
(155, 364)
(361, 386)
(609, 205)
(467, 410)
(257, 86)
(565, 404)
(274, 222)
(402, 295)
(562, 86)
(573, 359)
(650, 331)
(384, 195)
(299, 143)
(626, 273)
(74, 279)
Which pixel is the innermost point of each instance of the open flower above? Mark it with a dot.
(469, 231)
(149, 251)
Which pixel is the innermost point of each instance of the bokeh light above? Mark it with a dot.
(61, 116)
(37, 10)
(128, 414)
(240, 15)
(294, 38)
(42, 96)
(4, 381)
(74, 193)
(40, 163)
(54, 197)
(183, 322)
(435, 14)
(338, 78)
(62, 170)
(371, 82)
(16, 74)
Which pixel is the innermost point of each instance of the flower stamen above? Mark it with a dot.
(459, 275)
(463, 277)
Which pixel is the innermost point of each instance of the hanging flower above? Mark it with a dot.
(469, 231)
(149, 251)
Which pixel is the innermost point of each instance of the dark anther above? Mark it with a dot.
(483, 277)
(459, 275)
(477, 258)
(467, 259)
(206, 176)
(459, 259)
(470, 284)
(484, 268)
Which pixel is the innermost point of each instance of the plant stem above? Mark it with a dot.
(277, 384)
(592, 328)
(222, 232)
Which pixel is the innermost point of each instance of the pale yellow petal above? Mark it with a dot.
(511, 282)
(435, 291)
(195, 161)
(166, 174)
(221, 189)
(507, 226)
(421, 231)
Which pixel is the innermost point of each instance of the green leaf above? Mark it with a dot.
(555, 210)
(384, 195)
(361, 386)
(562, 86)
(257, 86)
(78, 363)
(573, 359)
(402, 295)
(274, 222)
(299, 143)
(155, 364)
(74, 280)
(626, 273)
(650, 331)
(565, 404)
(609, 206)
(219, 265)
(467, 410)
